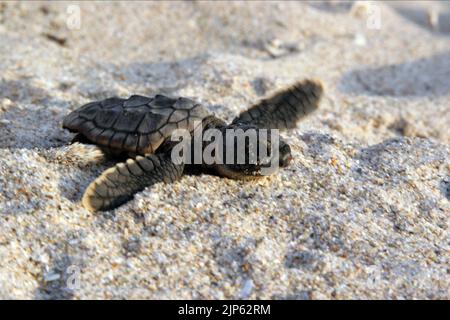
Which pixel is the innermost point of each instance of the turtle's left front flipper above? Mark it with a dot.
(284, 109)
(118, 184)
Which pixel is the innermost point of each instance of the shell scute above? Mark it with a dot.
(184, 103)
(105, 137)
(161, 101)
(166, 112)
(89, 113)
(105, 118)
(179, 115)
(131, 142)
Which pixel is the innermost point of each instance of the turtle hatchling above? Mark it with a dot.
(139, 128)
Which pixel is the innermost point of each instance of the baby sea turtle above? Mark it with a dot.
(140, 128)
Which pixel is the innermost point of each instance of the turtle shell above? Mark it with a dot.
(137, 125)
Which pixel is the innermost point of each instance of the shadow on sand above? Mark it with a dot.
(423, 77)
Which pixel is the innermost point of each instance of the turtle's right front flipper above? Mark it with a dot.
(118, 184)
(285, 108)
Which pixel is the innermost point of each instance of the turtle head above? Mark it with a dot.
(250, 152)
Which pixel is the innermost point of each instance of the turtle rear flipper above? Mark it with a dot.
(284, 109)
(118, 184)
